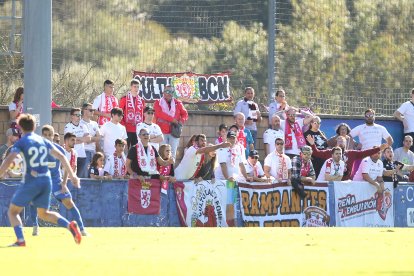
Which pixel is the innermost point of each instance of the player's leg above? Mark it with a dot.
(42, 202)
(70, 205)
(34, 219)
(16, 223)
(56, 218)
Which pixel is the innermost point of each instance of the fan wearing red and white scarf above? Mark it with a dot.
(300, 139)
(133, 110)
(146, 161)
(107, 103)
(119, 166)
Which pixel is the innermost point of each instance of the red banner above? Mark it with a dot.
(144, 198)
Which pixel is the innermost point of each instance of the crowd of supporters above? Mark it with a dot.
(131, 139)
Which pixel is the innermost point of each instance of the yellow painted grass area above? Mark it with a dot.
(237, 251)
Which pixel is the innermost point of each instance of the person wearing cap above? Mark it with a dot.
(277, 164)
(12, 135)
(82, 137)
(230, 161)
(104, 103)
(253, 167)
(292, 127)
(92, 146)
(113, 130)
(133, 107)
(303, 172)
(169, 111)
(156, 136)
(194, 157)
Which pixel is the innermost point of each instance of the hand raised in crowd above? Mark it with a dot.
(310, 139)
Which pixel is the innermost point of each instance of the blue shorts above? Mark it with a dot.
(36, 190)
(57, 192)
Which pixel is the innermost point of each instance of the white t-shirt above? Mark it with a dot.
(224, 156)
(269, 137)
(188, 165)
(249, 169)
(80, 131)
(294, 150)
(110, 133)
(93, 130)
(335, 169)
(373, 169)
(370, 136)
(272, 161)
(404, 157)
(153, 129)
(110, 164)
(407, 109)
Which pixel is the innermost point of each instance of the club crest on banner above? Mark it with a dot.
(206, 207)
(315, 217)
(186, 88)
(146, 195)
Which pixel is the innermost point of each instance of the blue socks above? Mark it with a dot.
(76, 215)
(62, 222)
(18, 229)
(33, 215)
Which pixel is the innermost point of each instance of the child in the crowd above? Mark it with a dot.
(222, 134)
(166, 172)
(115, 165)
(96, 170)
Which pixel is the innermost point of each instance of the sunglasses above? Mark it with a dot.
(144, 134)
(280, 143)
(150, 113)
(77, 115)
(255, 157)
(369, 116)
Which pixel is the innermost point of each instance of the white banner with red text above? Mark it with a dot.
(358, 204)
(273, 205)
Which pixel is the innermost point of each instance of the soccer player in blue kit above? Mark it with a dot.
(37, 184)
(59, 187)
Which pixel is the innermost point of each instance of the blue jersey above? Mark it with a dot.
(54, 166)
(35, 151)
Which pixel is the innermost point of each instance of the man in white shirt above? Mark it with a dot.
(104, 103)
(292, 127)
(253, 167)
(371, 134)
(231, 162)
(333, 168)
(405, 113)
(251, 112)
(82, 137)
(371, 170)
(93, 129)
(280, 105)
(156, 136)
(277, 164)
(270, 135)
(113, 130)
(193, 158)
(115, 165)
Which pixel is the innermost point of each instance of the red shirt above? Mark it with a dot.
(122, 104)
(163, 119)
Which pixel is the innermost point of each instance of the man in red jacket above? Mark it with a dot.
(133, 106)
(169, 111)
(348, 156)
